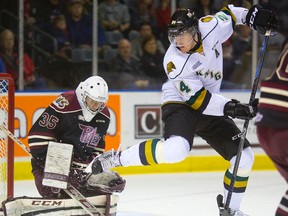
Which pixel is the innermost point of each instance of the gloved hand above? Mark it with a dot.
(235, 109)
(262, 20)
(106, 182)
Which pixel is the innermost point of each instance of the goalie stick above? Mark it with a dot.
(224, 210)
(70, 190)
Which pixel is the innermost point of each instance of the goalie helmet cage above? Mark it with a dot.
(7, 92)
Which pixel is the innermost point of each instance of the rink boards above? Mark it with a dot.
(135, 116)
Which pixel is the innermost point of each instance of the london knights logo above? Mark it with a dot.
(170, 67)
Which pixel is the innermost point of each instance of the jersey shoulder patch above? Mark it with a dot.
(207, 18)
(170, 67)
(66, 102)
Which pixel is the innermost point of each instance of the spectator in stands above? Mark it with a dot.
(241, 43)
(27, 13)
(236, 66)
(10, 57)
(128, 67)
(163, 13)
(79, 25)
(59, 31)
(28, 21)
(43, 11)
(144, 12)
(144, 32)
(228, 65)
(204, 8)
(152, 61)
(2, 66)
(101, 41)
(114, 16)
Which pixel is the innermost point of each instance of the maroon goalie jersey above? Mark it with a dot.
(63, 122)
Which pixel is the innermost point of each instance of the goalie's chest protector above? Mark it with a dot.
(73, 129)
(205, 65)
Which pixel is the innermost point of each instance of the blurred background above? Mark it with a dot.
(55, 44)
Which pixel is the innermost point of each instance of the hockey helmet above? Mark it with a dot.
(94, 89)
(182, 20)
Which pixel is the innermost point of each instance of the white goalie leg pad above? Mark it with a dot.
(172, 150)
(57, 165)
(245, 166)
(107, 204)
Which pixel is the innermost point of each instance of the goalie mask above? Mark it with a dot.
(92, 95)
(183, 21)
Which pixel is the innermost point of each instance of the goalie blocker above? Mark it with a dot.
(57, 165)
(106, 204)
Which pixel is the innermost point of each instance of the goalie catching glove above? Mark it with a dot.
(106, 182)
(235, 109)
(262, 20)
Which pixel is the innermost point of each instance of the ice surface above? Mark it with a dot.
(187, 194)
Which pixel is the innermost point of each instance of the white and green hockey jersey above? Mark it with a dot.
(195, 78)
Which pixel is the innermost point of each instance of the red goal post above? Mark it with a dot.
(7, 92)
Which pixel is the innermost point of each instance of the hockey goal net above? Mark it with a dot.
(7, 90)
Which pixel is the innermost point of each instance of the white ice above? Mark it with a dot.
(187, 194)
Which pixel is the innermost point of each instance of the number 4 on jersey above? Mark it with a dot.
(184, 88)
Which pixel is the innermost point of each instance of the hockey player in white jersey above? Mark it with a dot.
(191, 100)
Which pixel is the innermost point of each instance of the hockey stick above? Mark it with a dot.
(242, 135)
(70, 190)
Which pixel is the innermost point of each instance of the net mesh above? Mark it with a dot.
(4, 105)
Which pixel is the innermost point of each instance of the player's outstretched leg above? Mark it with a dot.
(106, 161)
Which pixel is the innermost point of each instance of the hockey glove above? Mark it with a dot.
(262, 20)
(106, 182)
(235, 109)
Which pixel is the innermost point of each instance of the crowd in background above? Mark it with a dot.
(131, 37)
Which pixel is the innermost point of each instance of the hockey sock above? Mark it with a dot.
(141, 154)
(238, 190)
(155, 151)
(147, 150)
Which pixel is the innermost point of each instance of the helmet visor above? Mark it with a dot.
(182, 38)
